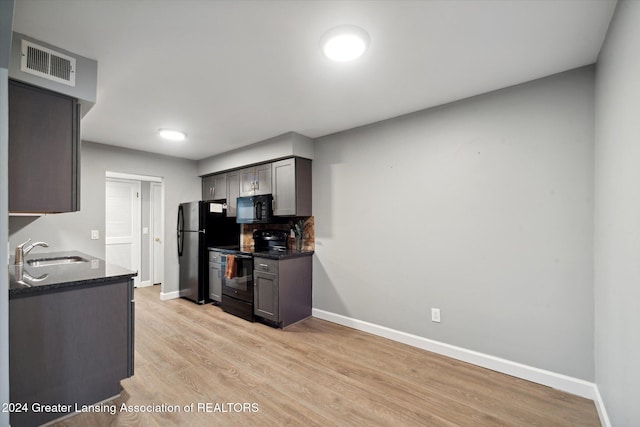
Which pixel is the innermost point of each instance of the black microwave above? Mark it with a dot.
(255, 209)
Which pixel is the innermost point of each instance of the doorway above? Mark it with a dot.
(122, 225)
(134, 225)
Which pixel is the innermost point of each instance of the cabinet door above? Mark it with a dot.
(44, 152)
(207, 188)
(233, 192)
(214, 187)
(220, 186)
(263, 179)
(284, 187)
(292, 187)
(255, 180)
(72, 346)
(265, 295)
(247, 181)
(215, 281)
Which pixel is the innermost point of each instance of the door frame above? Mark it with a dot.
(151, 179)
(153, 257)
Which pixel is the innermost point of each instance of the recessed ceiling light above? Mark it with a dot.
(344, 43)
(171, 134)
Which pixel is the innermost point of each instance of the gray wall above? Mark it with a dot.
(482, 208)
(617, 216)
(72, 231)
(6, 21)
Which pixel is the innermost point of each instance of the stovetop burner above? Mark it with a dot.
(270, 240)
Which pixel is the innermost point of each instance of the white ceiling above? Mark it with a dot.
(231, 73)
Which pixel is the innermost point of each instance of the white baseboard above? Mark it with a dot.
(561, 382)
(602, 411)
(145, 284)
(169, 295)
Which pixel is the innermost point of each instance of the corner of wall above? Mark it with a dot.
(617, 223)
(600, 407)
(6, 23)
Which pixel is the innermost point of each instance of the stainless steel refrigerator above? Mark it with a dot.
(201, 225)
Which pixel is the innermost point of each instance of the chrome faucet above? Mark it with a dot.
(21, 251)
(21, 275)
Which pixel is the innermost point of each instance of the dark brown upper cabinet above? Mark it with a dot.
(214, 187)
(255, 180)
(44, 151)
(291, 187)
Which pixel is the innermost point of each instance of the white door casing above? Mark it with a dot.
(157, 233)
(122, 224)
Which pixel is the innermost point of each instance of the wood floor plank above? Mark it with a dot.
(313, 373)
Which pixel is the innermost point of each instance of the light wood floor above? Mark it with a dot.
(314, 373)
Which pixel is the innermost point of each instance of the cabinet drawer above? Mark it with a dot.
(265, 264)
(215, 257)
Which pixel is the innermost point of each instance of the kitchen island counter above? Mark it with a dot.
(29, 280)
(71, 333)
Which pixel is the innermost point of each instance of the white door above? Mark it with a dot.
(123, 222)
(157, 232)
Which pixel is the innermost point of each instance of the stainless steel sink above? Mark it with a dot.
(43, 262)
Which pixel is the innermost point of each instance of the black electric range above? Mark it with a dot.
(237, 267)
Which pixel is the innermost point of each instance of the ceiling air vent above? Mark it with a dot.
(48, 64)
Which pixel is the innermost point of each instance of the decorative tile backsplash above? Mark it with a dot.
(308, 233)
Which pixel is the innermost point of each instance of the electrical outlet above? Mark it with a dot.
(95, 234)
(435, 315)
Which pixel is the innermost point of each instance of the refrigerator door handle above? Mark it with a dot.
(179, 229)
(180, 218)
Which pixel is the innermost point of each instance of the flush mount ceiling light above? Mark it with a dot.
(172, 135)
(344, 43)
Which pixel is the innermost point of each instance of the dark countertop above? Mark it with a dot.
(32, 280)
(289, 253)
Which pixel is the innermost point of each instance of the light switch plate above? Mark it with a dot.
(95, 234)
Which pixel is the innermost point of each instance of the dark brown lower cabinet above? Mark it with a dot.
(282, 289)
(69, 347)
